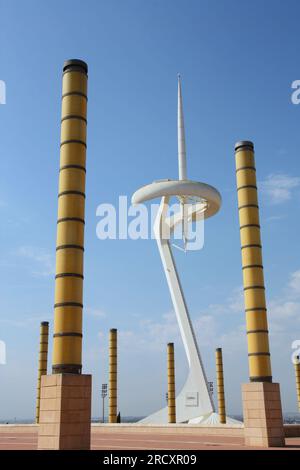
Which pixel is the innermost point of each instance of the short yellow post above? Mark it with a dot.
(220, 386)
(112, 389)
(171, 384)
(297, 373)
(43, 362)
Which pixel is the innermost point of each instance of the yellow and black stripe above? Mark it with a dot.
(112, 389)
(67, 338)
(220, 386)
(171, 384)
(43, 362)
(253, 276)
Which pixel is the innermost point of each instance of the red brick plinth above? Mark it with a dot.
(65, 412)
(263, 424)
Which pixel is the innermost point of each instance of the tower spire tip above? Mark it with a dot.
(181, 136)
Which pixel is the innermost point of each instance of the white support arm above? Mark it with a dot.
(196, 384)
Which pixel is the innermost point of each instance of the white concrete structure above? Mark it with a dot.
(194, 401)
(181, 136)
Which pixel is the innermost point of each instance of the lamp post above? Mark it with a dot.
(103, 394)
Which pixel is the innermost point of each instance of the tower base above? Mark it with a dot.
(65, 412)
(263, 423)
(213, 419)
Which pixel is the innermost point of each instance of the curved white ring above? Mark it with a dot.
(180, 188)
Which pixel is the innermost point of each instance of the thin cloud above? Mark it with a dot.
(236, 300)
(283, 309)
(26, 322)
(279, 188)
(283, 312)
(234, 303)
(294, 283)
(95, 312)
(42, 262)
(273, 218)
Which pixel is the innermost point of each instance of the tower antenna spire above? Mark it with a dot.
(181, 135)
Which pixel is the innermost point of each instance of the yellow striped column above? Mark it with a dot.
(253, 277)
(220, 386)
(112, 388)
(171, 384)
(43, 362)
(67, 344)
(297, 373)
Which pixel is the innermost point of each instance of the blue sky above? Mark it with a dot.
(237, 61)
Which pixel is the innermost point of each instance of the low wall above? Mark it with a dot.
(290, 430)
(194, 429)
(19, 428)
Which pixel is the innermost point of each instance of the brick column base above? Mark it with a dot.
(263, 423)
(65, 412)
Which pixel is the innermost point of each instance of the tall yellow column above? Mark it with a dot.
(253, 277)
(67, 344)
(43, 362)
(220, 386)
(171, 384)
(112, 389)
(297, 373)
(260, 426)
(71, 428)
